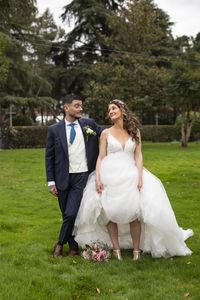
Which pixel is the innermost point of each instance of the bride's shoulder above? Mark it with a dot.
(104, 134)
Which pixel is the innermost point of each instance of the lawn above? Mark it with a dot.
(30, 221)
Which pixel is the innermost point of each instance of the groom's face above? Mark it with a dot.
(74, 110)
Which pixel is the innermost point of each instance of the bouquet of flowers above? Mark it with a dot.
(96, 252)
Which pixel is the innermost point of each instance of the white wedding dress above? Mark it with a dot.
(121, 202)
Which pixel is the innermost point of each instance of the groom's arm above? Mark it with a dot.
(50, 156)
(50, 159)
(98, 129)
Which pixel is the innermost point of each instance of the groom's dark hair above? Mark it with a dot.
(69, 98)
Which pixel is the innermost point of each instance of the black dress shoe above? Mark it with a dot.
(58, 250)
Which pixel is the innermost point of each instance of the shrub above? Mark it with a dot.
(27, 136)
(22, 121)
(51, 122)
(161, 133)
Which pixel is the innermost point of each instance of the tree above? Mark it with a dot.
(4, 62)
(16, 17)
(27, 37)
(184, 87)
(137, 69)
(85, 44)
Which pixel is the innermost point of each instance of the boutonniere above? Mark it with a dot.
(88, 131)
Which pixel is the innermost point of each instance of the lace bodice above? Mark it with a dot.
(115, 146)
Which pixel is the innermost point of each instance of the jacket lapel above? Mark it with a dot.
(82, 124)
(63, 137)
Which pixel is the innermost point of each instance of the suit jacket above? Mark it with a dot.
(57, 158)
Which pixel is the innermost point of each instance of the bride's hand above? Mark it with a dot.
(140, 183)
(99, 187)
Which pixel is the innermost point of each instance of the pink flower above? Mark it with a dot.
(96, 252)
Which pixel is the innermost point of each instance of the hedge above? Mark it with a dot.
(161, 133)
(26, 137)
(35, 136)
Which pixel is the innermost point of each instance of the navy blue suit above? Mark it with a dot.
(70, 186)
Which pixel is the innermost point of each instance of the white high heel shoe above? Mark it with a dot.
(136, 255)
(117, 254)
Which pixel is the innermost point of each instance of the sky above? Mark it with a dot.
(184, 13)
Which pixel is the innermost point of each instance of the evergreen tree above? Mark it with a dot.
(137, 70)
(26, 40)
(4, 62)
(86, 43)
(184, 86)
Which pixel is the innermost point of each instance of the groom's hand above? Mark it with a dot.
(53, 190)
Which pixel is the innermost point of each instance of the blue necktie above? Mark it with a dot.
(72, 133)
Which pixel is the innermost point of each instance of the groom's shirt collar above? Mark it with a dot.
(68, 123)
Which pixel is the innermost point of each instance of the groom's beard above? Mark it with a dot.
(75, 116)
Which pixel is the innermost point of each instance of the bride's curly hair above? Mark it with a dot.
(131, 124)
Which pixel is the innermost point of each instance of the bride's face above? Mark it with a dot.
(114, 112)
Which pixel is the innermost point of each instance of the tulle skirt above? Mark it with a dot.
(122, 203)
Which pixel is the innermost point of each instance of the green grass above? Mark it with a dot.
(30, 221)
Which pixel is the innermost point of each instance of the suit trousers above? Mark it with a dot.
(69, 202)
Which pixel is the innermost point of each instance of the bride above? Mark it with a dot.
(124, 205)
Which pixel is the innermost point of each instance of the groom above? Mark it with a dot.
(71, 154)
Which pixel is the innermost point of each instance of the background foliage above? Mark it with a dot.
(115, 49)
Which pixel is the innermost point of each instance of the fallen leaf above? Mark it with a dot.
(98, 290)
(189, 262)
(186, 295)
(74, 262)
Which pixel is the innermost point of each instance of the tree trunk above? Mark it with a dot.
(33, 114)
(42, 116)
(186, 128)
